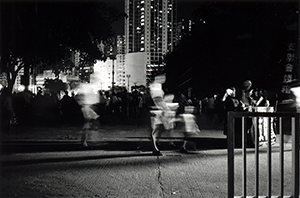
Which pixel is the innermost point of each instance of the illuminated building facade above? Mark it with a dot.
(120, 62)
(150, 30)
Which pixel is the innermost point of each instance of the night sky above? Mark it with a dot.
(184, 10)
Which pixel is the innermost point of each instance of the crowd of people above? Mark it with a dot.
(92, 109)
(50, 108)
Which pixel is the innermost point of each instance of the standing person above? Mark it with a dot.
(7, 113)
(263, 99)
(231, 103)
(263, 105)
(244, 95)
(245, 101)
(102, 105)
(68, 107)
(211, 105)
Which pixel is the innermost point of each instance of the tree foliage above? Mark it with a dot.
(55, 85)
(46, 33)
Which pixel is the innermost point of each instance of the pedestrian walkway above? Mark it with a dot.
(131, 131)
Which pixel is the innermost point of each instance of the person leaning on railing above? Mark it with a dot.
(245, 104)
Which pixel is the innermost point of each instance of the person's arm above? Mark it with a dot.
(259, 101)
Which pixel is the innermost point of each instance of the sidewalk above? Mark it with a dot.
(132, 133)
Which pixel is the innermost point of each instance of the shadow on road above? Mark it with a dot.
(20, 162)
(23, 147)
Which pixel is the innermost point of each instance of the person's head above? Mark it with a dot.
(256, 92)
(263, 93)
(247, 85)
(231, 91)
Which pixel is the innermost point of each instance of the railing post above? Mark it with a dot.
(295, 155)
(244, 154)
(256, 157)
(230, 146)
(281, 157)
(269, 160)
(295, 126)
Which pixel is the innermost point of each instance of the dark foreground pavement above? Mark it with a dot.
(51, 162)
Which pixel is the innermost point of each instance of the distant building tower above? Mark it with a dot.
(150, 31)
(120, 61)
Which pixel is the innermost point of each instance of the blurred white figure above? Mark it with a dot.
(296, 92)
(86, 98)
(161, 113)
(191, 127)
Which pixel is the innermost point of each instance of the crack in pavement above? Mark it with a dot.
(159, 179)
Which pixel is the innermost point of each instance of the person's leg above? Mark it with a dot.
(84, 135)
(153, 136)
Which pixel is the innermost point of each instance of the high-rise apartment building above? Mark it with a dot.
(120, 61)
(150, 30)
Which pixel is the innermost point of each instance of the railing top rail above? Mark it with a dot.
(238, 114)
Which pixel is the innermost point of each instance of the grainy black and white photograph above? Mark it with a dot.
(149, 98)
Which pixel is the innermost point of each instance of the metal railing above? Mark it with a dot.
(294, 117)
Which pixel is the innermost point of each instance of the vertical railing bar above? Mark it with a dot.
(269, 160)
(281, 158)
(256, 156)
(230, 162)
(295, 155)
(256, 134)
(244, 145)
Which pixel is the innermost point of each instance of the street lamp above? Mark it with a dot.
(128, 76)
(112, 57)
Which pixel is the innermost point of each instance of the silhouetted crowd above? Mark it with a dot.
(49, 108)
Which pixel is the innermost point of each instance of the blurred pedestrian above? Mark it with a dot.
(7, 114)
(162, 114)
(86, 100)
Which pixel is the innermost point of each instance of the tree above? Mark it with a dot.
(35, 34)
(55, 85)
(230, 43)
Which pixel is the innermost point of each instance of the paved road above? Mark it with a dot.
(47, 162)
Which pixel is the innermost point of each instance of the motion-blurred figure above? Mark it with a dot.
(161, 114)
(87, 99)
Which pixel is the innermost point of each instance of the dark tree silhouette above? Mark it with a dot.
(232, 42)
(37, 33)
